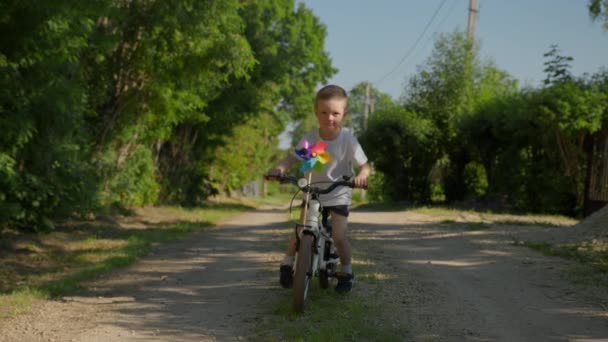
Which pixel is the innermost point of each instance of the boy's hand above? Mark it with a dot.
(275, 172)
(282, 167)
(360, 181)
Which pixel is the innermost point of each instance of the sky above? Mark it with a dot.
(376, 40)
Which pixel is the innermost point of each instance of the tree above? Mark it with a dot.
(557, 67)
(403, 147)
(356, 105)
(158, 65)
(43, 145)
(288, 45)
(532, 143)
(441, 89)
(598, 9)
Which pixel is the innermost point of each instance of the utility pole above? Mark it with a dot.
(366, 106)
(472, 14)
(368, 109)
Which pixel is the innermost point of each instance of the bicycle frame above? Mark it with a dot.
(314, 243)
(323, 260)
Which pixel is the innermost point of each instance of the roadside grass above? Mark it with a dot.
(476, 219)
(592, 261)
(513, 219)
(357, 316)
(40, 266)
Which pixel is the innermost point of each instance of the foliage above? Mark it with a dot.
(531, 144)
(404, 150)
(441, 89)
(487, 140)
(134, 183)
(447, 88)
(42, 148)
(161, 64)
(381, 102)
(254, 141)
(557, 67)
(287, 43)
(125, 102)
(598, 9)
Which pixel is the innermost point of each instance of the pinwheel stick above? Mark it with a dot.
(306, 201)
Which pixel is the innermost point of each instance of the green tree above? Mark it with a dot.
(531, 143)
(403, 147)
(157, 65)
(43, 145)
(441, 89)
(381, 102)
(557, 67)
(245, 154)
(598, 9)
(288, 45)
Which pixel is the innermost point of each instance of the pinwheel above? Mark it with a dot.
(313, 157)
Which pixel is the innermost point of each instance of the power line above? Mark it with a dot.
(409, 52)
(448, 15)
(438, 27)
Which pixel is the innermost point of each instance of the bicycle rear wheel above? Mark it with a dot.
(303, 275)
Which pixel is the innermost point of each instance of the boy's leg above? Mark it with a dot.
(290, 253)
(339, 225)
(291, 245)
(286, 268)
(339, 234)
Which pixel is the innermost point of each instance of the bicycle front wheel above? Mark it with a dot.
(303, 275)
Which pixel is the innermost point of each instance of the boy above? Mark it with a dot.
(344, 149)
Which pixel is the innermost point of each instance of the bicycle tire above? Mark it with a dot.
(303, 275)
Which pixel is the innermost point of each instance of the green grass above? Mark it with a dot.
(533, 222)
(361, 315)
(380, 206)
(51, 265)
(333, 317)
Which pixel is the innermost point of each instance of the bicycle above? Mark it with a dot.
(315, 250)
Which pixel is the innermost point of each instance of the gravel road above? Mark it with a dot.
(451, 284)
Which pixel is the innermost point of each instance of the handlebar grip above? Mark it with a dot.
(273, 177)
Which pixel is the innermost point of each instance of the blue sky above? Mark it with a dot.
(367, 39)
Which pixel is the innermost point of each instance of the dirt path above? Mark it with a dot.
(448, 284)
(459, 285)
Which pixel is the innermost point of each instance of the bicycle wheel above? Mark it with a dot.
(303, 275)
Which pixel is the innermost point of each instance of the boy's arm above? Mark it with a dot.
(361, 177)
(283, 166)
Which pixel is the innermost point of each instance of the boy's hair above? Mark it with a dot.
(330, 92)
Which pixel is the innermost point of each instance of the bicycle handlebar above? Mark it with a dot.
(308, 187)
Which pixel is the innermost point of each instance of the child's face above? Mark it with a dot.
(330, 114)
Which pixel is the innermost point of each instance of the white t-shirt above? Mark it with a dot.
(344, 150)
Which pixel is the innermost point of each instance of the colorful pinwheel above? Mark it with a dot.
(313, 157)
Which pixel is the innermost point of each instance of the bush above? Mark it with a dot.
(402, 147)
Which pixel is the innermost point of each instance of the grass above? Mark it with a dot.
(592, 263)
(41, 266)
(530, 222)
(329, 316)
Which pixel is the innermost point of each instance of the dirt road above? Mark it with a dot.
(450, 283)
